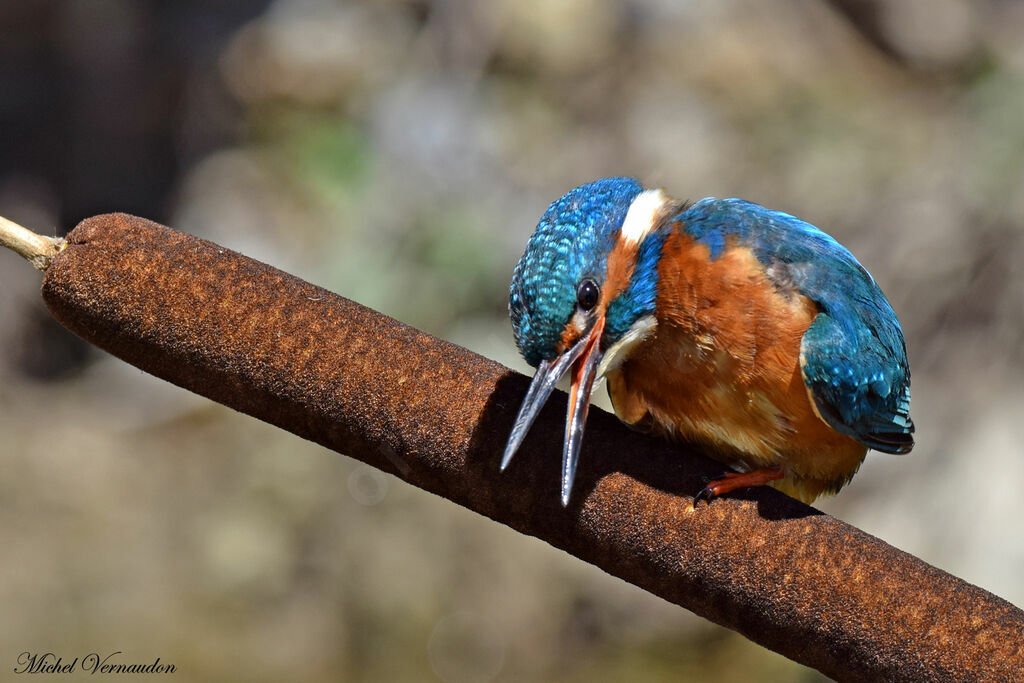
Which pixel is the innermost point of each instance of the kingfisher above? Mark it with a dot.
(718, 322)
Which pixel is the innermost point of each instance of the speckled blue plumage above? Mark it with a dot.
(853, 355)
(571, 242)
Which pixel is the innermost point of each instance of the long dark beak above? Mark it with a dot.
(588, 353)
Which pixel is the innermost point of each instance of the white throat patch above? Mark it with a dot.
(619, 351)
(641, 216)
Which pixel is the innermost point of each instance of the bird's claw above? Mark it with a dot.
(706, 494)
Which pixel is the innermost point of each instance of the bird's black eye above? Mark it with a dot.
(587, 294)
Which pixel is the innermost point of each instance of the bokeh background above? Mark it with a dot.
(399, 152)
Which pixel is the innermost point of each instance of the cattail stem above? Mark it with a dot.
(36, 249)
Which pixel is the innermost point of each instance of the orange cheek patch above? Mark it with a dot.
(619, 270)
(569, 337)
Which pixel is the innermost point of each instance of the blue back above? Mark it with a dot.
(853, 355)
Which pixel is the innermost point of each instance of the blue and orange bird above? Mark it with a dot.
(719, 322)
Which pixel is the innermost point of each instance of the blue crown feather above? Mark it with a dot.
(571, 242)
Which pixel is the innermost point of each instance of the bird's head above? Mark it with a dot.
(582, 294)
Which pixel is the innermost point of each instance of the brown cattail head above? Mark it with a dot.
(268, 344)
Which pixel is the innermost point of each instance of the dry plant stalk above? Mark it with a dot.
(36, 249)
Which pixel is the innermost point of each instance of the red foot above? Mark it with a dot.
(730, 481)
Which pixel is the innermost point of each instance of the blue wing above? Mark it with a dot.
(853, 356)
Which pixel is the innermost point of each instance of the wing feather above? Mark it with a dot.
(853, 356)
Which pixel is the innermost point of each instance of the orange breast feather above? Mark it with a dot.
(723, 368)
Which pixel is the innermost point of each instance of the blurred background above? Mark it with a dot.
(400, 152)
